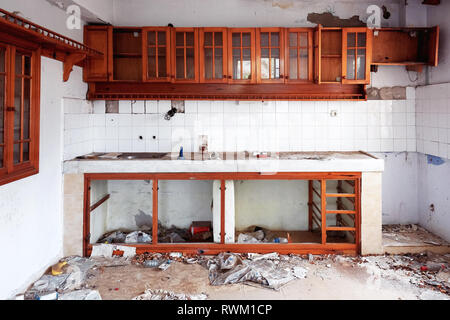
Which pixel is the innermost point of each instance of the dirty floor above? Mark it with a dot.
(330, 277)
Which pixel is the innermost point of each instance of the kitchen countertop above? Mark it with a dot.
(225, 162)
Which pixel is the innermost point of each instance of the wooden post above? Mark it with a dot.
(323, 194)
(310, 201)
(222, 211)
(155, 211)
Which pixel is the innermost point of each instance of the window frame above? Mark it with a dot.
(11, 172)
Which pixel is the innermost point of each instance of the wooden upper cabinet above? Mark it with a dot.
(356, 55)
(298, 55)
(329, 55)
(98, 38)
(241, 55)
(127, 54)
(270, 55)
(213, 55)
(185, 57)
(156, 53)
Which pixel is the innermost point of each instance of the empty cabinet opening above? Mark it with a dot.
(122, 211)
(185, 211)
(273, 211)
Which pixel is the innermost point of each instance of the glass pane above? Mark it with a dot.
(264, 39)
(303, 64)
(361, 64)
(351, 39)
(2, 108)
(17, 108)
(161, 38)
(27, 65)
(292, 39)
(351, 64)
(2, 60)
(218, 39)
(208, 39)
(151, 35)
(16, 153)
(293, 64)
(218, 63)
(275, 39)
(190, 39)
(179, 39)
(152, 62)
(26, 152)
(190, 63)
(180, 63)
(162, 62)
(237, 64)
(236, 39)
(26, 108)
(361, 39)
(303, 39)
(264, 63)
(208, 63)
(246, 64)
(18, 64)
(275, 64)
(246, 40)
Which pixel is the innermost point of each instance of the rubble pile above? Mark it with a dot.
(150, 294)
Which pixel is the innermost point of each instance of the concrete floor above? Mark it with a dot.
(333, 277)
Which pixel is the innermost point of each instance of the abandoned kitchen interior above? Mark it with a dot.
(173, 137)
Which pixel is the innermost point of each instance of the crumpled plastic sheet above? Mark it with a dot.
(81, 295)
(138, 237)
(229, 268)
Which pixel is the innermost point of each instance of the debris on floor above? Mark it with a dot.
(109, 250)
(267, 270)
(81, 295)
(138, 237)
(150, 294)
(257, 234)
(410, 235)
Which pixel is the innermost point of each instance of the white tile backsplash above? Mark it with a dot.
(432, 123)
(372, 126)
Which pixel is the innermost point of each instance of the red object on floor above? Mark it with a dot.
(200, 227)
(423, 268)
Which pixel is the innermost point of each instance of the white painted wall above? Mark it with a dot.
(434, 189)
(31, 209)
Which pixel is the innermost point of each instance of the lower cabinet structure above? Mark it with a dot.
(209, 213)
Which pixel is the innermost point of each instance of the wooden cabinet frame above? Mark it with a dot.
(202, 32)
(174, 56)
(145, 47)
(323, 247)
(98, 68)
(368, 48)
(310, 48)
(252, 32)
(258, 54)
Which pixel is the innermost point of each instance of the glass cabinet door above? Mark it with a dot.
(356, 55)
(156, 51)
(3, 76)
(270, 48)
(299, 55)
(213, 55)
(241, 43)
(185, 55)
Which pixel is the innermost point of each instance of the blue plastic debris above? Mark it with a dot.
(435, 160)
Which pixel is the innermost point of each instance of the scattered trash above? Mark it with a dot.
(310, 257)
(57, 268)
(47, 296)
(176, 255)
(107, 250)
(138, 237)
(81, 295)
(165, 265)
(151, 263)
(299, 272)
(229, 268)
(150, 294)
